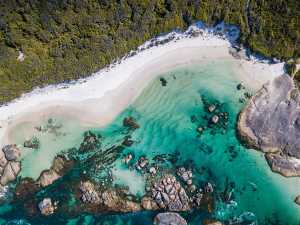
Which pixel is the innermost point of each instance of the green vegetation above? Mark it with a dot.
(290, 67)
(68, 39)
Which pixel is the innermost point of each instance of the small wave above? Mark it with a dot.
(18, 222)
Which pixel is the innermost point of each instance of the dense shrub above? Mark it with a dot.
(68, 39)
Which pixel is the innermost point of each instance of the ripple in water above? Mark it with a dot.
(169, 116)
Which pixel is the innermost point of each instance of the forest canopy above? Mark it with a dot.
(65, 40)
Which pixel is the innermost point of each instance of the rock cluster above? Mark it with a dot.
(271, 123)
(9, 164)
(169, 218)
(89, 194)
(168, 193)
(114, 202)
(185, 175)
(46, 207)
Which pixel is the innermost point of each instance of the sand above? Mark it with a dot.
(97, 100)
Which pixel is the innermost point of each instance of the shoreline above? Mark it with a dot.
(117, 86)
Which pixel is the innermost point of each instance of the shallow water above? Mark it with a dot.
(57, 135)
(168, 117)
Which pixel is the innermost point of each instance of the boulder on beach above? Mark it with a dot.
(10, 167)
(271, 123)
(169, 218)
(12, 152)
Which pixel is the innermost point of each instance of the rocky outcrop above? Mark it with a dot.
(168, 193)
(46, 207)
(89, 194)
(169, 218)
(12, 153)
(48, 177)
(59, 166)
(271, 123)
(112, 200)
(10, 167)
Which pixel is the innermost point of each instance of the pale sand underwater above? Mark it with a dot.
(100, 98)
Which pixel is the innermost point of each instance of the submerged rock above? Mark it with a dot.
(142, 163)
(271, 123)
(215, 119)
(185, 175)
(297, 200)
(90, 142)
(163, 81)
(211, 108)
(240, 86)
(131, 123)
(127, 141)
(200, 129)
(46, 207)
(33, 143)
(169, 218)
(128, 158)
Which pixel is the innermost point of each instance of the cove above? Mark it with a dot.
(169, 111)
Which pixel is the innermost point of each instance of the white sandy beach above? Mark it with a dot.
(97, 100)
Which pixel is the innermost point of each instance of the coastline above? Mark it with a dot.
(117, 86)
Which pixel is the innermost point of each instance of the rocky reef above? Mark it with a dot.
(271, 123)
(59, 167)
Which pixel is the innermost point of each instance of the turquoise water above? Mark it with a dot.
(168, 117)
